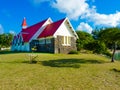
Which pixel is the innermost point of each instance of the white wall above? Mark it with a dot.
(64, 30)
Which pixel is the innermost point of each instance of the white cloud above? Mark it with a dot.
(73, 8)
(84, 27)
(1, 29)
(111, 20)
(80, 9)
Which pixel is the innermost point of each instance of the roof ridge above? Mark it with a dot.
(38, 22)
(59, 20)
(50, 29)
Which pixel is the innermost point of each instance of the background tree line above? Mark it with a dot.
(101, 41)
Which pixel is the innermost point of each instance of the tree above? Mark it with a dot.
(111, 35)
(84, 38)
(95, 33)
(5, 40)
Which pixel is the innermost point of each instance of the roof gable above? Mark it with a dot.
(30, 31)
(51, 29)
(66, 29)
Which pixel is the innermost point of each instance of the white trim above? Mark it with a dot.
(72, 28)
(66, 29)
(35, 36)
(66, 43)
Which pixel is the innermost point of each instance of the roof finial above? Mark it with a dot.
(24, 24)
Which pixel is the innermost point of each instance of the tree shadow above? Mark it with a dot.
(115, 70)
(14, 52)
(74, 63)
(11, 52)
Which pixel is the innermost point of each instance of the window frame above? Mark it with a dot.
(66, 41)
(48, 40)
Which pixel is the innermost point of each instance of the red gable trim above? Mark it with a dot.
(28, 33)
(51, 29)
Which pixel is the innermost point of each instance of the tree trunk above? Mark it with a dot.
(114, 50)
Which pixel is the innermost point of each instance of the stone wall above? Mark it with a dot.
(60, 48)
(56, 46)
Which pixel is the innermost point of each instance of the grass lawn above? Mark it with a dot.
(58, 72)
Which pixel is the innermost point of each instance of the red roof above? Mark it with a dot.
(51, 29)
(28, 33)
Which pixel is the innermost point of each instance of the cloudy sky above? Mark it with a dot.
(84, 15)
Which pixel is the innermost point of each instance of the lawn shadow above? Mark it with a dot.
(115, 70)
(29, 62)
(11, 52)
(74, 63)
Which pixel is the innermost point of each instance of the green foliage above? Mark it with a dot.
(84, 38)
(107, 53)
(95, 33)
(110, 36)
(96, 46)
(86, 51)
(73, 52)
(5, 40)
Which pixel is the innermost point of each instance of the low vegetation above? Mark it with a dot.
(73, 52)
(100, 41)
(58, 72)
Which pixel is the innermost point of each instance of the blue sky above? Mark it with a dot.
(83, 14)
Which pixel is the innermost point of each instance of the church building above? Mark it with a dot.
(46, 36)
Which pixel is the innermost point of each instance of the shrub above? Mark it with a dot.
(73, 52)
(107, 53)
(86, 51)
(84, 38)
(96, 47)
(32, 58)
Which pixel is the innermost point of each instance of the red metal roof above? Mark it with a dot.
(28, 33)
(51, 29)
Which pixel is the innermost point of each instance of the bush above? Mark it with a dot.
(96, 46)
(32, 58)
(107, 53)
(84, 38)
(86, 51)
(73, 52)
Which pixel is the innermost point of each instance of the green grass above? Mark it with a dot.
(58, 72)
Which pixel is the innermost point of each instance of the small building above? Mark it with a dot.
(46, 36)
